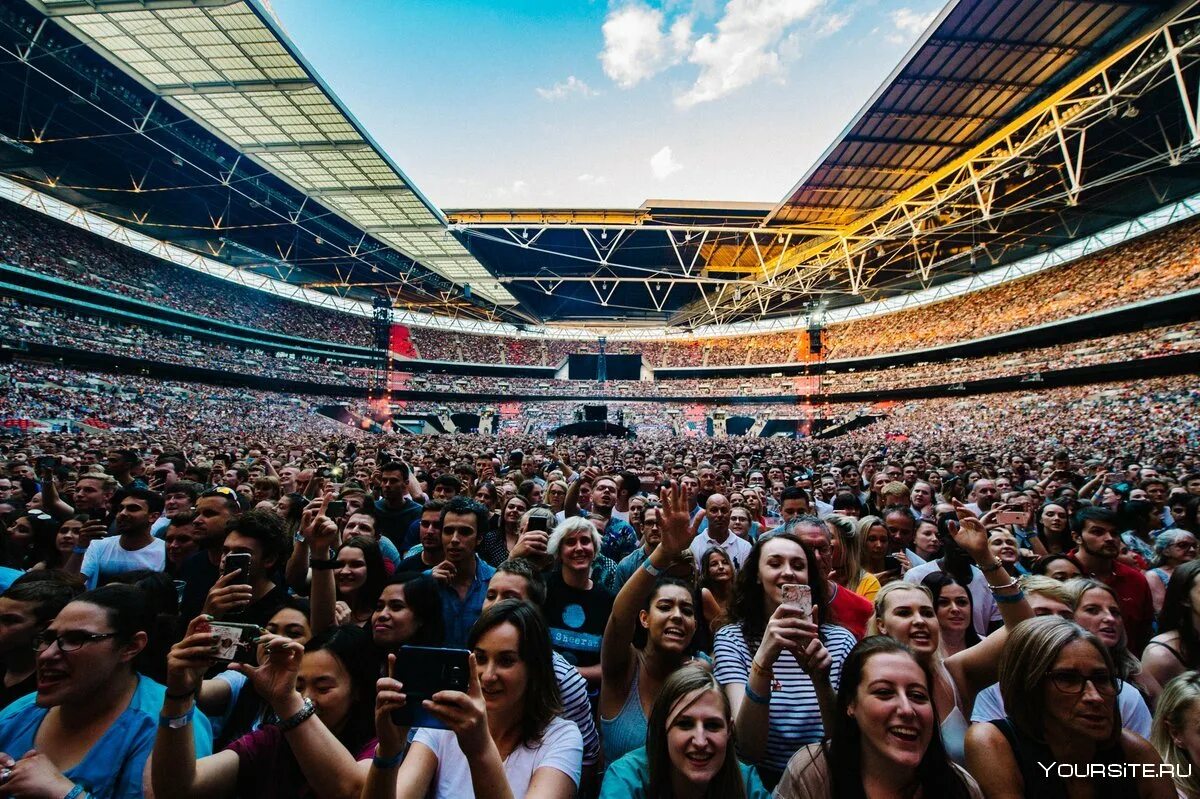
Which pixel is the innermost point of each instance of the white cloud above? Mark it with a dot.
(518, 188)
(637, 44)
(564, 89)
(909, 25)
(592, 180)
(744, 48)
(663, 164)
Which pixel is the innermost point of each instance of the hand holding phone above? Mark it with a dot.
(425, 671)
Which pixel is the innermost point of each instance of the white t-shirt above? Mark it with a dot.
(738, 549)
(561, 748)
(106, 558)
(1135, 716)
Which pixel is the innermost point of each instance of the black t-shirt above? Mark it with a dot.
(576, 619)
(11, 693)
(395, 523)
(413, 563)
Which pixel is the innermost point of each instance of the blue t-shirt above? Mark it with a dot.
(8, 577)
(112, 768)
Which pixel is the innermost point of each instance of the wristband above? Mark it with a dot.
(996, 564)
(1009, 598)
(175, 722)
(387, 762)
(763, 669)
(75, 792)
(650, 568)
(302, 715)
(1013, 583)
(319, 564)
(756, 698)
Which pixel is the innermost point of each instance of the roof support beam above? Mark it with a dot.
(901, 142)
(112, 6)
(360, 191)
(304, 147)
(234, 87)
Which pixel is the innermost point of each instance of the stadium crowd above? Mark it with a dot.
(1155, 265)
(216, 592)
(24, 323)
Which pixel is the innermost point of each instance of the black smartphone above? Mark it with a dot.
(424, 671)
(538, 523)
(336, 509)
(237, 561)
(46, 462)
(891, 563)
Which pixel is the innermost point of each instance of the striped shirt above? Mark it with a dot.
(573, 691)
(795, 715)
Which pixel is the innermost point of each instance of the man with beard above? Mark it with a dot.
(134, 547)
(1098, 544)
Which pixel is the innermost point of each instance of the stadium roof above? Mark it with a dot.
(230, 68)
(1011, 127)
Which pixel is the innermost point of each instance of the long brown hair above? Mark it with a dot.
(542, 699)
(728, 782)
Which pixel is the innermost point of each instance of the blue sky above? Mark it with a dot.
(604, 104)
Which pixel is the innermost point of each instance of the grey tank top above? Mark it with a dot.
(627, 731)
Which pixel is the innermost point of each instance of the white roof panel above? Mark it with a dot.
(232, 71)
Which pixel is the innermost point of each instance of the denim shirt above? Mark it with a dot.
(459, 614)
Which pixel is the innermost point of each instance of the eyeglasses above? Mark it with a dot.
(68, 641)
(1072, 682)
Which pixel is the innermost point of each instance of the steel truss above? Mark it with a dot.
(964, 194)
(752, 270)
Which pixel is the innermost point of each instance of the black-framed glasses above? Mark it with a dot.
(1072, 682)
(68, 641)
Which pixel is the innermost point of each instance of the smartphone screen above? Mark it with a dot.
(539, 523)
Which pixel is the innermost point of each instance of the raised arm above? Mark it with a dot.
(322, 598)
(976, 667)
(174, 770)
(616, 652)
(329, 769)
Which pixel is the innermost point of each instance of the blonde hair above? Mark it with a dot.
(847, 532)
(575, 524)
(882, 597)
(1177, 697)
(1048, 587)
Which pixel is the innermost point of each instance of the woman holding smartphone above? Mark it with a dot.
(503, 738)
(778, 664)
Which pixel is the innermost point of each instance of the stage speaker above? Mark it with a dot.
(814, 340)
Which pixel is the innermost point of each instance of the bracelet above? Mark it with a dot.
(302, 715)
(75, 792)
(653, 570)
(761, 669)
(177, 722)
(319, 564)
(184, 695)
(387, 762)
(996, 564)
(1010, 598)
(1013, 583)
(756, 698)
